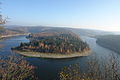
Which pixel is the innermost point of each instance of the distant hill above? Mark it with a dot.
(9, 32)
(82, 32)
(89, 32)
(110, 41)
(33, 29)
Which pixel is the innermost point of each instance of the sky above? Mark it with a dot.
(91, 14)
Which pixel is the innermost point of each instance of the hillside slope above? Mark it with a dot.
(82, 32)
(9, 32)
(110, 41)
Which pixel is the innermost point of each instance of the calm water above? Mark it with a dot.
(47, 69)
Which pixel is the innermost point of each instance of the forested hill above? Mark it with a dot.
(54, 33)
(82, 32)
(9, 32)
(54, 41)
(110, 41)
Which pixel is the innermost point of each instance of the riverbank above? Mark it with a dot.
(13, 35)
(52, 55)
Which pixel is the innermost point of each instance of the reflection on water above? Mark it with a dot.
(47, 69)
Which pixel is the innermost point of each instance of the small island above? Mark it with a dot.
(53, 44)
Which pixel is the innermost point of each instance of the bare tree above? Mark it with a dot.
(16, 68)
(2, 20)
(109, 70)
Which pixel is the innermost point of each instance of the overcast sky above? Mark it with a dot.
(93, 14)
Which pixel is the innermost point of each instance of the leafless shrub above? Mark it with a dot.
(2, 20)
(16, 68)
(70, 73)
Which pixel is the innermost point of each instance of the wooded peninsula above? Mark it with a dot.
(54, 44)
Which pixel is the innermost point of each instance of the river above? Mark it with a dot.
(47, 69)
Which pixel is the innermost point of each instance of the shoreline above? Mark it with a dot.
(7, 36)
(53, 55)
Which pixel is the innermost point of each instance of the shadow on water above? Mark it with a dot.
(51, 67)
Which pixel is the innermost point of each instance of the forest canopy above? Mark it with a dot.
(54, 41)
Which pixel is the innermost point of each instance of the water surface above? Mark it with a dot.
(47, 69)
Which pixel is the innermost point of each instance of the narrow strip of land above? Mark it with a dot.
(13, 35)
(53, 55)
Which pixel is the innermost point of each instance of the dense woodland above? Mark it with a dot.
(110, 41)
(54, 42)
